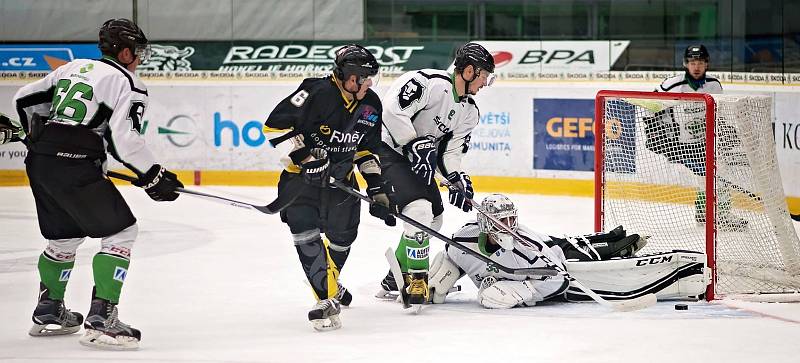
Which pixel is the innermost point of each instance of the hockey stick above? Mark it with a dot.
(281, 202)
(620, 305)
(515, 271)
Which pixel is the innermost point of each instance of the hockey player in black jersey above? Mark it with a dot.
(428, 119)
(334, 123)
(69, 119)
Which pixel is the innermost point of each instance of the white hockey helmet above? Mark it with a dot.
(502, 209)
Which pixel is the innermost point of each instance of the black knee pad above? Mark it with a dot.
(300, 218)
(342, 239)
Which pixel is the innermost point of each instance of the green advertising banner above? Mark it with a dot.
(305, 57)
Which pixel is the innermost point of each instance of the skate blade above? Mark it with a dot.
(97, 340)
(387, 295)
(48, 330)
(416, 308)
(331, 323)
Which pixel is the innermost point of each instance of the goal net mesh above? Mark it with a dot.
(653, 175)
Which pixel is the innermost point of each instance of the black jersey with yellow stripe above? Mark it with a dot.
(319, 115)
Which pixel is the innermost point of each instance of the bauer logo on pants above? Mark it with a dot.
(120, 273)
(417, 253)
(64, 276)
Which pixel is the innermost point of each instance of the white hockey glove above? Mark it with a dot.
(443, 275)
(7, 131)
(422, 154)
(506, 294)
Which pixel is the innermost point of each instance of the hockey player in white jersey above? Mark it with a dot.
(678, 132)
(428, 116)
(69, 119)
(604, 262)
(694, 79)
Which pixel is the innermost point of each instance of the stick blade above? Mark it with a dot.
(638, 303)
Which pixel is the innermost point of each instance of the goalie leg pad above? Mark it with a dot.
(670, 275)
(506, 294)
(443, 275)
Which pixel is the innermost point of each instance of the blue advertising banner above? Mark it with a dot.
(43, 57)
(562, 134)
(620, 137)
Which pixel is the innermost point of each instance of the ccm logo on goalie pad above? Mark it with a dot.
(654, 260)
(417, 253)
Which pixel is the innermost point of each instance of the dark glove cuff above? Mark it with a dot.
(299, 155)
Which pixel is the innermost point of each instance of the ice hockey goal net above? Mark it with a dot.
(666, 161)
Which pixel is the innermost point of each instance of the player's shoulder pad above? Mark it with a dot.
(372, 98)
(673, 82)
(713, 80)
(135, 84)
(468, 233)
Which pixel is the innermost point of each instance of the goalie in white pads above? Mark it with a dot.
(603, 262)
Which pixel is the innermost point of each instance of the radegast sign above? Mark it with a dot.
(302, 57)
(521, 59)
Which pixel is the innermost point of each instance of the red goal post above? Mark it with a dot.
(665, 161)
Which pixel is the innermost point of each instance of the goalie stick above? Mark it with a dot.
(537, 271)
(640, 302)
(281, 202)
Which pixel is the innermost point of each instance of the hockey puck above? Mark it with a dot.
(681, 307)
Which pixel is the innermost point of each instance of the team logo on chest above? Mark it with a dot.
(410, 93)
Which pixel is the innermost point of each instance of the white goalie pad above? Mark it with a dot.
(443, 275)
(669, 275)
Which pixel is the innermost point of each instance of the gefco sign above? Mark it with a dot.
(299, 57)
(554, 56)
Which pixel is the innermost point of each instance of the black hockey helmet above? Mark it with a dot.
(476, 55)
(118, 34)
(697, 51)
(353, 59)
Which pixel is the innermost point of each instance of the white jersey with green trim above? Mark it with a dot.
(100, 95)
(520, 257)
(425, 103)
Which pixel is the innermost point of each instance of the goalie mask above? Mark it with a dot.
(500, 208)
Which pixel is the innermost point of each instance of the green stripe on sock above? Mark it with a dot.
(109, 275)
(55, 275)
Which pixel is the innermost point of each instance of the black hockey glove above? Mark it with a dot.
(159, 183)
(459, 197)
(382, 193)
(315, 171)
(422, 154)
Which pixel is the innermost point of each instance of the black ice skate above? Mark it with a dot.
(324, 316)
(51, 317)
(388, 289)
(104, 330)
(344, 296)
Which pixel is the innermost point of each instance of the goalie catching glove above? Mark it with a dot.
(159, 183)
(464, 191)
(422, 154)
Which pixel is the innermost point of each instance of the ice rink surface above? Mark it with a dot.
(214, 283)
